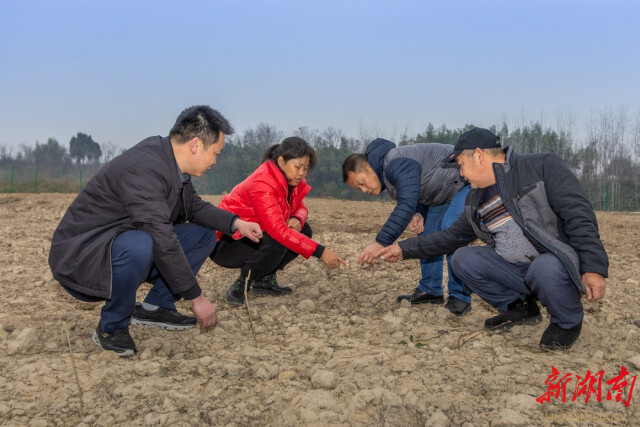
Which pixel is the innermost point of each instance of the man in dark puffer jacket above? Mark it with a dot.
(541, 234)
(430, 197)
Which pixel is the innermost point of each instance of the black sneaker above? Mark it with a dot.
(457, 307)
(420, 297)
(268, 285)
(556, 338)
(119, 341)
(235, 294)
(163, 318)
(518, 313)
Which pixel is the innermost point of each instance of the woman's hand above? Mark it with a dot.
(294, 224)
(331, 259)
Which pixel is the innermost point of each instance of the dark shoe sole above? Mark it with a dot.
(264, 292)
(432, 301)
(231, 301)
(462, 313)
(527, 321)
(125, 353)
(555, 347)
(161, 325)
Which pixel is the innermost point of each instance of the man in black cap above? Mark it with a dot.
(541, 238)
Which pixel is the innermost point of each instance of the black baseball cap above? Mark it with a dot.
(475, 138)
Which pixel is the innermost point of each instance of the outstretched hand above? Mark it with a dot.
(249, 229)
(391, 253)
(595, 284)
(331, 259)
(368, 255)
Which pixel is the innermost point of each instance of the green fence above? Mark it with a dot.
(32, 179)
(18, 178)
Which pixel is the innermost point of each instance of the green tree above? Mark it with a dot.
(82, 147)
(49, 154)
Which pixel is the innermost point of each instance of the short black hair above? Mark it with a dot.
(291, 148)
(200, 121)
(353, 163)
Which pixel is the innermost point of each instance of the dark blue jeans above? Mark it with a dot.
(500, 282)
(132, 265)
(440, 218)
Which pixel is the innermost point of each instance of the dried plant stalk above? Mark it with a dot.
(73, 364)
(246, 304)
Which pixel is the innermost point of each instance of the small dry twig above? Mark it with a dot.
(73, 364)
(246, 304)
(473, 335)
(353, 294)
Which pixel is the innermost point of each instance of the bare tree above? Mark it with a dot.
(635, 146)
(26, 155)
(109, 151)
(367, 133)
(263, 136)
(309, 135)
(6, 154)
(332, 136)
(405, 139)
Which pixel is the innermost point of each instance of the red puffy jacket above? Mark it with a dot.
(262, 198)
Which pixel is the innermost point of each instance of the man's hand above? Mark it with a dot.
(204, 311)
(391, 253)
(595, 285)
(368, 254)
(294, 224)
(248, 229)
(331, 259)
(416, 224)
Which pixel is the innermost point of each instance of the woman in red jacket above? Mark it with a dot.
(271, 196)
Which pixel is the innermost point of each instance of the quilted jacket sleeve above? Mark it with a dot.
(404, 175)
(302, 213)
(265, 199)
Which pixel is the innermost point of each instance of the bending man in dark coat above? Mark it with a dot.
(139, 220)
(541, 238)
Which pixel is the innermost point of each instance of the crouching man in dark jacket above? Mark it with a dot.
(140, 220)
(541, 238)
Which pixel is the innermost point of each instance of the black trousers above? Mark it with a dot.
(261, 258)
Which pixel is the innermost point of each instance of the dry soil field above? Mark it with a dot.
(338, 351)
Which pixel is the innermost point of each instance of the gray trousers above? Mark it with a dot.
(500, 282)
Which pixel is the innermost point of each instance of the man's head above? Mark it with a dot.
(198, 138)
(475, 152)
(357, 173)
(199, 121)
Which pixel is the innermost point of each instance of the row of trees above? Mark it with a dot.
(53, 155)
(605, 159)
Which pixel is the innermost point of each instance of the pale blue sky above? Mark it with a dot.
(123, 70)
